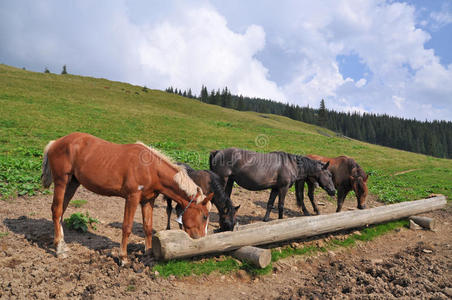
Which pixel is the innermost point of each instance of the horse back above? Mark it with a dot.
(103, 167)
(254, 170)
(341, 167)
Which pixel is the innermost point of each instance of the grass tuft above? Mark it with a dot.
(78, 203)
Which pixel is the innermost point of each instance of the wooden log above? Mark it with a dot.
(256, 256)
(414, 226)
(424, 222)
(171, 244)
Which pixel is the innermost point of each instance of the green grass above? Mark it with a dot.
(3, 234)
(180, 268)
(78, 203)
(131, 288)
(38, 107)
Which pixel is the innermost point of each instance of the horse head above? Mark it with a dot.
(195, 218)
(324, 177)
(358, 181)
(228, 219)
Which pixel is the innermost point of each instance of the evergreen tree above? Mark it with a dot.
(204, 95)
(64, 71)
(322, 116)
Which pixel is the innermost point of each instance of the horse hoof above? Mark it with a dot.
(62, 255)
(306, 214)
(62, 250)
(266, 220)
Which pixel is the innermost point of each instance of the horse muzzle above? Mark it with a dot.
(332, 192)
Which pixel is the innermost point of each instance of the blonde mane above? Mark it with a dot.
(181, 178)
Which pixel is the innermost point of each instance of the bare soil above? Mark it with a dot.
(401, 264)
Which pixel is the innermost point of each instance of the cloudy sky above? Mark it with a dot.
(375, 56)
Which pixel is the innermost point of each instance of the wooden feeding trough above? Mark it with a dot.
(170, 244)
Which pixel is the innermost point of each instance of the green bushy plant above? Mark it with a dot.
(79, 221)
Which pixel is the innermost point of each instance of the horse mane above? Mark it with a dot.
(218, 190)
(309, 164)
(359, 171)
(160, 155)
(182, 179)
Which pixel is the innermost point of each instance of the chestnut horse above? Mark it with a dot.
(209, 182)
(134, 171)
(347, 176)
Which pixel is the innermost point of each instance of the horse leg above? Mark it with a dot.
(341, 194)
(229, 185)
(147, 206)
(57, 213)
(270, 203)
(281, 198)
(311, 188)
(127, 224)
(169, 209)
(299, 193)
(71, 188)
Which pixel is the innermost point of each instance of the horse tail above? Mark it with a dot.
(211, 157)
(46, 176)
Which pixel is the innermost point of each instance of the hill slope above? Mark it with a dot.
(38, 107)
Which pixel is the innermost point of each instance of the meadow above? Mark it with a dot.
(36, 108)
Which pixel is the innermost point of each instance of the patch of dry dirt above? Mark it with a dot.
(410, 264)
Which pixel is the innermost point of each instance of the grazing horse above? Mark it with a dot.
(209, 183)
(275, 170)
(347, 176)
(135, 172)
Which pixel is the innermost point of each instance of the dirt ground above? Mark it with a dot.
(401, 264)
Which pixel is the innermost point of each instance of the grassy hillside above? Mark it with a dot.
(38, 107)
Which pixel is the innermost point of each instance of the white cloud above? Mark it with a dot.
(385, 38)
(201, 49)
(360, 83)
(441, 18)
(398, 101)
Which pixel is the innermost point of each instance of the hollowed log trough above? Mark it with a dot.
(170, 244)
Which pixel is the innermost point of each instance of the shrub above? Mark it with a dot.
(80, 222)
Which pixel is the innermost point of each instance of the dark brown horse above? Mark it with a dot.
(275, 170)
(134, 171)
(209, 183)
(347, 176)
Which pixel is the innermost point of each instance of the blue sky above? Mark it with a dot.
(375, 56)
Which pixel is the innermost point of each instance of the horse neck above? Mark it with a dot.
(220, 200)
(305, 165)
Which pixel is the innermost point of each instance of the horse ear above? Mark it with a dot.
(365, 179)
(207, 199)
(325, 166)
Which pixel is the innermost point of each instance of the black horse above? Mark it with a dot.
(209, 182)
(276, 170)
